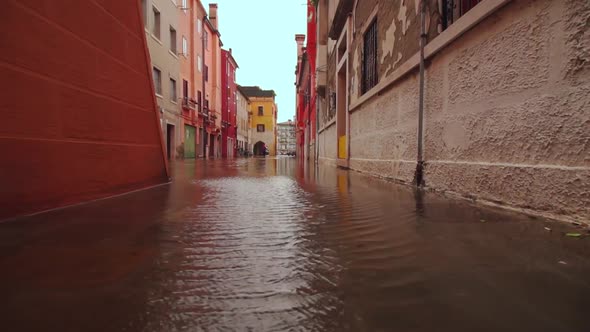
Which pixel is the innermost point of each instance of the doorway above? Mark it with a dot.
(260, 149)
(189, 141)
(211, 146)
(169, 141)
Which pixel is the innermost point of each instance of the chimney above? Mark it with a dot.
(299, 39)
(230, 50)
(213, 15)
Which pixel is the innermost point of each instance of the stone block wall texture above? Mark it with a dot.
(79, 119)
(383, 132)
(508, 110)
(507, 113)
(328, 146)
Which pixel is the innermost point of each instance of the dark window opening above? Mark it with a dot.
(260, 111)
(370, 77)
(199, 100)
(156, 21)
(173, 40)
(260, 128)
(157, 80)
(184, 89)
(173, 90)
(453, 9)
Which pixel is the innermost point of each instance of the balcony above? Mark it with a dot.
(189, 104)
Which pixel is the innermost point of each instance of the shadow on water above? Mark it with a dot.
(272, 244)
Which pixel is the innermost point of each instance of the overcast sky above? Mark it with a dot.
(261, 34)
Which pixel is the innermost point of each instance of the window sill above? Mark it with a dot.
(172, 53)
(174, 102)
(452, 33)
(156, 39)
(159, 96)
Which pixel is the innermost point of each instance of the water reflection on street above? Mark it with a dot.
(265, 244)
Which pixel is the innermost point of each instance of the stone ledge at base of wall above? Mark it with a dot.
(397, 170)
(446, 183)
(327, 161)
(509, 187)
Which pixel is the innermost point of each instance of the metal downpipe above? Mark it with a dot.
(419, 176)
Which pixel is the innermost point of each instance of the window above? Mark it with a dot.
(157, 81)
(156, 19)
(172, 40)
(144, 12)
(199, 26)
(184, 46)
(206, 39)
(199, 63)
(199, 100)
(453, 9)
(260, 128)
(184, 90)
(173, 90)
(206, 73)
(370, 58)
(260, 111)
(184, 5)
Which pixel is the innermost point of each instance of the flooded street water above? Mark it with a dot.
(269, 245)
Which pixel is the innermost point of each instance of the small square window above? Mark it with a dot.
(260, 128)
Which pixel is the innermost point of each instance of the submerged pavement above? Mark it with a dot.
(266, 244)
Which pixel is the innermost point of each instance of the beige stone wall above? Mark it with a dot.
(167, 62)
(508, 110)
(328, 147)
(383, 133)
(507, 113)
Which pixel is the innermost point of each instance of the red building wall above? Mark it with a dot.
(79, 117)
(311, 57)
(229, 105)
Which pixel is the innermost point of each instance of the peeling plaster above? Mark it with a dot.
(356, 64)
(403, 17)
(399, 58)
(389, 42)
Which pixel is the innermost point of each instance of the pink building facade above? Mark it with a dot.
(229, 107)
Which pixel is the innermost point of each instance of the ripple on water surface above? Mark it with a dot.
(271, 245)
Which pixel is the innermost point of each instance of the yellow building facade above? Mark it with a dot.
(263, 125)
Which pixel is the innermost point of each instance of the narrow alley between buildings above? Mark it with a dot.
(269, 244)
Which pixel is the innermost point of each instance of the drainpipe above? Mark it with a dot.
(419, 176)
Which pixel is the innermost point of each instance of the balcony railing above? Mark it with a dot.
(189, 103)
